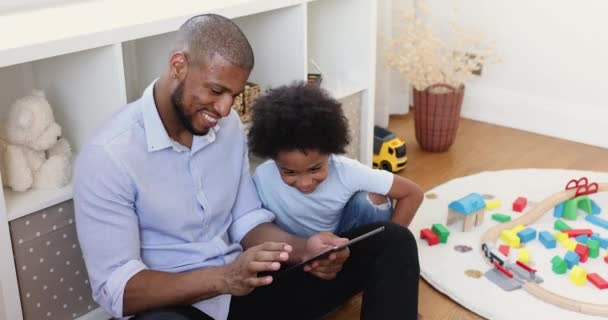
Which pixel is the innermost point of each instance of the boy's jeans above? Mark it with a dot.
(359, 210)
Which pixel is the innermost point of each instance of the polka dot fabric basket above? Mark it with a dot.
(53, 282)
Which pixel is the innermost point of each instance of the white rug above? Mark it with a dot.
(444, 267)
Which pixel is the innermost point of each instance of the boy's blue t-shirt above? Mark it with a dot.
(306, 214)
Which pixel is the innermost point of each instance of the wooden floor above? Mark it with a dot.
(478, 147)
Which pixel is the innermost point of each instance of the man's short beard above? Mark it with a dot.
(177, 99)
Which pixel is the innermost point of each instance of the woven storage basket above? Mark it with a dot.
(244, 101)
(437, 116)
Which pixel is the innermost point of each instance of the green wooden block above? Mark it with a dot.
(594, 248)
(560, 226)
(559, 265)
(501, 217)
(441, 231)
(570, 209)
(584, 203)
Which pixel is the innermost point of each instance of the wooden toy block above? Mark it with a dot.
(582, 238)
(597, 280)
(493, 204)
(595, 209)
(470, 209)
(603, 241)
(597, 221)
(559, 225)
(547, 239)
(606, 259)
(504, 249)
(578, 276)
(582, 251)
(558, 212)
(518, 228)
(560, 236)
(524, 255)
(594, 248)
(527, 235)
(570, 209)
(559, 265)
(501, 217)
(569, 244)
(510, 238)
(430, 237)
(520, 204)
(571, 259)
(441, 231)
(573, 233)
(584, 203)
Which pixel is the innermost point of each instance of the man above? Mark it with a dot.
(165, 207)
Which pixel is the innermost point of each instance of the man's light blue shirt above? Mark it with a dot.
(143, 201)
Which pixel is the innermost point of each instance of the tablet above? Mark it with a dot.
(326, 253)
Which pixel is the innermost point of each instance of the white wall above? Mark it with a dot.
(392, 92)
(553, 75)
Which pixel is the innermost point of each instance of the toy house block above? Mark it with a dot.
(597, 280)
(504, 249)
(527, 235)
(430, 237)
(524, 255)
(547, 239)
(603, 241)
(441, 231)
(582, 239)
(559, 265)
(595, 220)
(594, 248)
(571, 259)
(573, 233)
(510, 238)
(578, 276)
(501, 217)
(558, 212)
(470, 209)
(493, 204)
(559, 225)
(595, 209)
(520, 204)
(582, 251)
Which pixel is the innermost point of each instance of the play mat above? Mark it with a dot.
(497, 286)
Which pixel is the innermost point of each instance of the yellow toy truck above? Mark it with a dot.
(389, 151)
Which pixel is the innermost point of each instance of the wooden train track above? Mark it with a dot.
(533, 288)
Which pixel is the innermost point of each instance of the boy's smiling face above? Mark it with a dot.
(302, 169)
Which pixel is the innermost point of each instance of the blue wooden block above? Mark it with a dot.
(547, 239)
(582, 238)
(603, 241)
(528, 234)
(572, 259)
(597, 221)
(558, 212)
(595, 209)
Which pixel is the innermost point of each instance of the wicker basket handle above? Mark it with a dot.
(444, 85)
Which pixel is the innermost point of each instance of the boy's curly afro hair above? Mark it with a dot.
(297, 117)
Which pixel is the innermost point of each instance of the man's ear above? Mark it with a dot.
(178, 65)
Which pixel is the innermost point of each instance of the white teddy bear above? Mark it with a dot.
(32, 152)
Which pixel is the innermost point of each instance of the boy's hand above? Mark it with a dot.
(241, 275)
(329, 267)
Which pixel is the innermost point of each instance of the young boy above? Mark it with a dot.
(307, 184)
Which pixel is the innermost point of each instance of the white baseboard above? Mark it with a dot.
(544, 115)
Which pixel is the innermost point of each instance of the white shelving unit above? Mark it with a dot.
(90, 65)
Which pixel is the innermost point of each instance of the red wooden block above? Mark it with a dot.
(573, 233)
(519, 204)
(430, 237)
(606, 259)
(582, 251)
(597, 280)
(504, 250)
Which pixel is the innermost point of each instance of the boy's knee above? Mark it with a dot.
(377, 199)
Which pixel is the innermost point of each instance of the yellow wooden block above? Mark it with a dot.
(569, 244)
(493, 204)
(510, 238)
(578, 276)
(524, 255)
(560, 236)
(518, 228)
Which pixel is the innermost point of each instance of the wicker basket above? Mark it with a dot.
(437, 116)
(244, 101)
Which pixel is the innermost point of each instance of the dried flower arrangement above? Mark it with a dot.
(423, 59)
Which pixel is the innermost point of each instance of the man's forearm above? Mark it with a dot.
(271, 232)
(153, 289)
